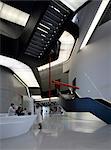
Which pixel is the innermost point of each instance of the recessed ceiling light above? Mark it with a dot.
(43, 35)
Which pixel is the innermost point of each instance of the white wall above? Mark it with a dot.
(92, 66)
(11, 89)
(28, 103)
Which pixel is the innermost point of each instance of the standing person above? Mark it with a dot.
(11, 110)
(39, 116)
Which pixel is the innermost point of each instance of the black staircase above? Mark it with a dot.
(48, 30)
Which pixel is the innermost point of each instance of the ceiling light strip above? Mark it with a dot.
(98, 15)
(42, 30)
(12, 14)
(22, 84)
(43, 35)
(44, 26)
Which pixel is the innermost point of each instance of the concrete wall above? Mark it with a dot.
(56, 73)
(11, 89)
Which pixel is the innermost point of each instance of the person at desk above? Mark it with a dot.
(11, 110)
(25, 111)
(18, 111)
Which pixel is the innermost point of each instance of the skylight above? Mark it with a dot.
(12, 14)
(73, 4)
(39, 98)
(67, 42)
(23, 71)
(36, 97)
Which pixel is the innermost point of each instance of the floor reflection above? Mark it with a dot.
(60, 132)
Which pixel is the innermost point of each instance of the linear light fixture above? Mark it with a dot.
(73, 4)
(42, 30)
(23, 71)
(39, 98)
(36, 97)
(44, 26)
(97, 17)
(22, 84)
(12, 14)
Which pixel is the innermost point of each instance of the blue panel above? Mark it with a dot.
(100, 109)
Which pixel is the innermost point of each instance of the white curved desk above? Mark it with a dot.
(11, 126)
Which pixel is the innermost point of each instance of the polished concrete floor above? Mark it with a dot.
(63, 133)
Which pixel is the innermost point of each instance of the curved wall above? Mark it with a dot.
(92, 65)
(11, 89)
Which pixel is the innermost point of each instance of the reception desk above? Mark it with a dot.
(11, 126)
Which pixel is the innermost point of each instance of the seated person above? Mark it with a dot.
(19, 111)
(11, 110)
(24, 111)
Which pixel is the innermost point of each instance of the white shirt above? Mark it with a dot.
(25, 112)
(38, 113)
(11, 111)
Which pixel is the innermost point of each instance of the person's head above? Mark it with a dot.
(37, 105)
(19, 108)
(12, 104)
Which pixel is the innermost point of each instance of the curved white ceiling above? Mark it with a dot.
(67, 41)
(73, 4)
(23, 71)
